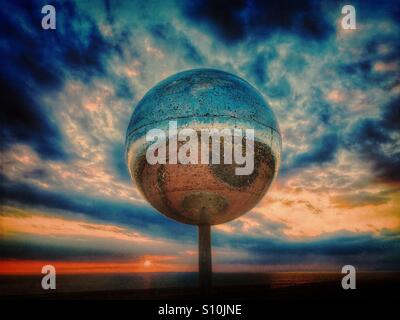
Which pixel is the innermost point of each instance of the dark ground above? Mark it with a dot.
(373, 286)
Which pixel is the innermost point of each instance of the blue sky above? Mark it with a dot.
(68, 94)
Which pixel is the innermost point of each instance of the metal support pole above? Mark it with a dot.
(205, 269)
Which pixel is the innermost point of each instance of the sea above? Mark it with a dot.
(24, 284)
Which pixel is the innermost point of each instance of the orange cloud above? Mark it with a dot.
(386, 66)
(14, 221)
(303, 222)
(336, 96)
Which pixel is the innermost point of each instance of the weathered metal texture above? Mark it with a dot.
(203, 93)
(200, 193)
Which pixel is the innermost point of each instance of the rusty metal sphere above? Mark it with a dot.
(203, 194)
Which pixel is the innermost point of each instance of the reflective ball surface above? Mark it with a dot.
(201, 99)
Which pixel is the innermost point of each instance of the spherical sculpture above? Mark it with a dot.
(197, 192)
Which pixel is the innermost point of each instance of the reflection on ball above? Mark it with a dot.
(205, 194)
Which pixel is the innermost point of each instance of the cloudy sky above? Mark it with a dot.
(66, 100)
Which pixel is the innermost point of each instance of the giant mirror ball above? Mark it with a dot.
(203, 194)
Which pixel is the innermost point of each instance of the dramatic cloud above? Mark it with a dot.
(377, 140)
(37, 62)
(236, 20)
